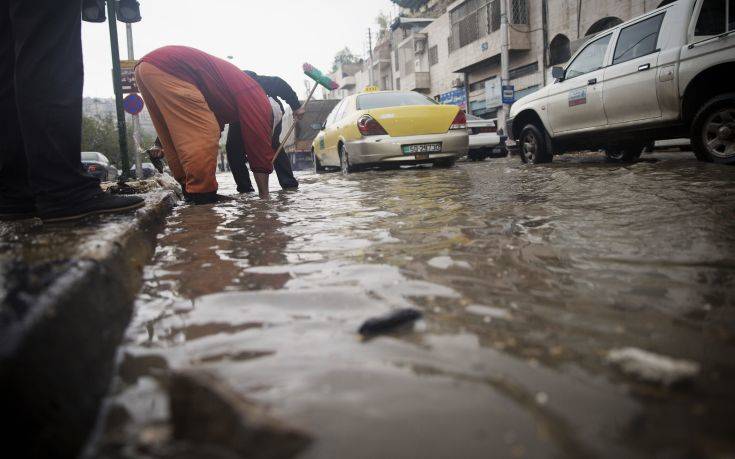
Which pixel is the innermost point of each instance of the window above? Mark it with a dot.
(590, 59)
(398, 83)
(392, 99)
(716, 17)
(559, 50)
(471, 20)
(433, 55)
(395, 60)
(523, 71)
(520, 12)
(344, 108)
(638, 39)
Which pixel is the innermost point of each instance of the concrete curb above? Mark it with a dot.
(62, 315)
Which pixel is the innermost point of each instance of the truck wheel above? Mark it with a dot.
(535, 147)
(624, 154)
(317, 164)
(713, 130)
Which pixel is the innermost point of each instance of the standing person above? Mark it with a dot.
(276, 88)
(190, 96)
(41, 78)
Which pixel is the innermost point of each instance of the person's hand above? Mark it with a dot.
(298, 114)
(155, 152)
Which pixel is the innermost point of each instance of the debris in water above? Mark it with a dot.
(445, 262)
(389, 322)
(206, 411)
(652, 367)
(488, 311)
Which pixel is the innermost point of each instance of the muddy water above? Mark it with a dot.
(527, 277)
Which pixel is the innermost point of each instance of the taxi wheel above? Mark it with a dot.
(317, 164)
(344, 161)
(535, 147)
(444, 163)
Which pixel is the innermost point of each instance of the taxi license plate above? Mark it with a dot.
(418, 149)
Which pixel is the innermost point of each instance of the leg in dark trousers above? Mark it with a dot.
(41, 78)
(237, 159)
(282, 165)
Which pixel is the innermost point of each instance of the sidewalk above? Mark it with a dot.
(66, 296)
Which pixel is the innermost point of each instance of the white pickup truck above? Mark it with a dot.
(667, 74)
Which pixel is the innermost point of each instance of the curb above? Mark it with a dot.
(62, 318)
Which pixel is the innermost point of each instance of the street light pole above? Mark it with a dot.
(121, 130)
(503, 61)
(136, 120)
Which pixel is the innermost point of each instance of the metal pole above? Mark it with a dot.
(136, 120)
(121, 131)
(503, 60)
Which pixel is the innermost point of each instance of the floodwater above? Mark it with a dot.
(527, 277)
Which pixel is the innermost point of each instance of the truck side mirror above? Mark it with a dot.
(558, 73)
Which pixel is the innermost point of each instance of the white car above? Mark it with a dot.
(485, 141)
(666, 74)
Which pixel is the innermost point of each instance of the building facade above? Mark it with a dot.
(451, 50)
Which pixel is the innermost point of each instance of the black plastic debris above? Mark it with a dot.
(389, 322)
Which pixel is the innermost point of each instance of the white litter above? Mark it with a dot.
(488, 311)
(652, 367)
(445, 262)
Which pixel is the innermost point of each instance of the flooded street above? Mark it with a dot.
(527, 278)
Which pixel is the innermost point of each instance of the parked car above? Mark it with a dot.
(97, 165)
(663, 75)
(485, 142)
(392, 128)
(149, 170)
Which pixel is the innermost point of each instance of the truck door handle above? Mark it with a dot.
(592, 81)
(643, 67)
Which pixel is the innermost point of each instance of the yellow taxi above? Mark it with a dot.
(383, 128)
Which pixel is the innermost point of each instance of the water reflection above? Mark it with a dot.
(526, 277)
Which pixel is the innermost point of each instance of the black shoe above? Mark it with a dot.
(17, 212)
(101, 203)
(206, 198)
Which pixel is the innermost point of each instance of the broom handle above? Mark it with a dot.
(293, 125)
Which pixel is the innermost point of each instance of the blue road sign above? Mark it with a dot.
(509, 94)
(133, 104)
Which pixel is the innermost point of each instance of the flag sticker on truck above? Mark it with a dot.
(578, 97)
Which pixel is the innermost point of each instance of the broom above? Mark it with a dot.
(319, 79)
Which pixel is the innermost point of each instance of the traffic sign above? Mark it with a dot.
(127, 76)
(509, 95)
(133, 104)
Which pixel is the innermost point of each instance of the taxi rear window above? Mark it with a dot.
(392, 99)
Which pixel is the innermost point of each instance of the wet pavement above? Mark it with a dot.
(527, 277)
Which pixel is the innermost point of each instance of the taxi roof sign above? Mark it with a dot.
(371, 89)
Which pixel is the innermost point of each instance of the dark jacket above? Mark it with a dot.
(278, 89)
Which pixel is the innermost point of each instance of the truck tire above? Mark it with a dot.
(713, 130)
(317, 164)
(535, 145)
(624, 153)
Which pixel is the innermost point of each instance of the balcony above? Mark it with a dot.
(416, 81)
(487, 47)
(348, 82)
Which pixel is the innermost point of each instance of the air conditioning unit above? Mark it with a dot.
(457, 83)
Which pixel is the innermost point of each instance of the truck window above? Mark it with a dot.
(638, 39)
(715, 17)
(590, 59)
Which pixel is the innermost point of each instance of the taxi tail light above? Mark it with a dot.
(367, 125)
(460, 121)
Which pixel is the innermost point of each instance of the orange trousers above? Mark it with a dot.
(188, 130)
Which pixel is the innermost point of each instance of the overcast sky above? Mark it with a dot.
(272, 37)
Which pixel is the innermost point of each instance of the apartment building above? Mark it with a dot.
(451, 50)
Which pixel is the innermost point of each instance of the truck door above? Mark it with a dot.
(576, 102)
(630, 92)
